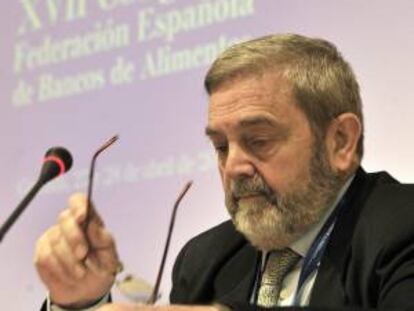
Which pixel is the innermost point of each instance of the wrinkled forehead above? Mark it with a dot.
(242, 97)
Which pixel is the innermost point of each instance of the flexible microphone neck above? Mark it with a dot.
(56, 162)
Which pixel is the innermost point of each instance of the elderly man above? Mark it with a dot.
(308, 226)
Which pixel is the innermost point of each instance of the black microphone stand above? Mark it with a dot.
(56, 162)
(20, 208)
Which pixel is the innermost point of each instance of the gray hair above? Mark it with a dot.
(323, 83)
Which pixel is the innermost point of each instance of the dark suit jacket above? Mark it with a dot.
(368, 261)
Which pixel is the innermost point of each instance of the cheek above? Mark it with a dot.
(286, 173)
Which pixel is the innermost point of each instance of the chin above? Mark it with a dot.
(266, 230)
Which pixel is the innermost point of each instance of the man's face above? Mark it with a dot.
(275, 175)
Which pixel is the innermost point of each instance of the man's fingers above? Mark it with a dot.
(97, 248)
(49, 266)
(65, 252)
(77, 253)
(78, 207)
(73, 224)
(103, 255)
(99, 237)
(73, 266)
(78, 210)
(57, 262)
(73, 234)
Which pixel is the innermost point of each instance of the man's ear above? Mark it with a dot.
(342, 138)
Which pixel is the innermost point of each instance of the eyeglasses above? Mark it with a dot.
(155, 291)
(154, 295)
(89, 208)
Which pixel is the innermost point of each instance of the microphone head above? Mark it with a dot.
(57, 161)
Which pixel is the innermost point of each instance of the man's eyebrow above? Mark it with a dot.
(248, 122)
(211, 132)
(254, 121)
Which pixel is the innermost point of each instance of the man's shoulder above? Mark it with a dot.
(387, 215)
(390, 206)
(370, 188)
(204, 258)
(388, 196)
(212, 248)
(217, 239)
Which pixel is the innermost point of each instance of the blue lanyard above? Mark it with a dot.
(313, 257)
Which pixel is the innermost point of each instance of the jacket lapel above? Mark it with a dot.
(236, 278)
(329, 289)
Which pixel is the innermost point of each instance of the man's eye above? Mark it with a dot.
(220, 148)
(257, 143)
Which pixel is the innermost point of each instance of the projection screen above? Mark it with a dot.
(74, 73)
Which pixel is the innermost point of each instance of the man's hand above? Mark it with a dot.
(77, 268)
(127, 307)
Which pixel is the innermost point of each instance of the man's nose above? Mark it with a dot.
(238, 163)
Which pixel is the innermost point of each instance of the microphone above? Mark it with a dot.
(56, 162)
